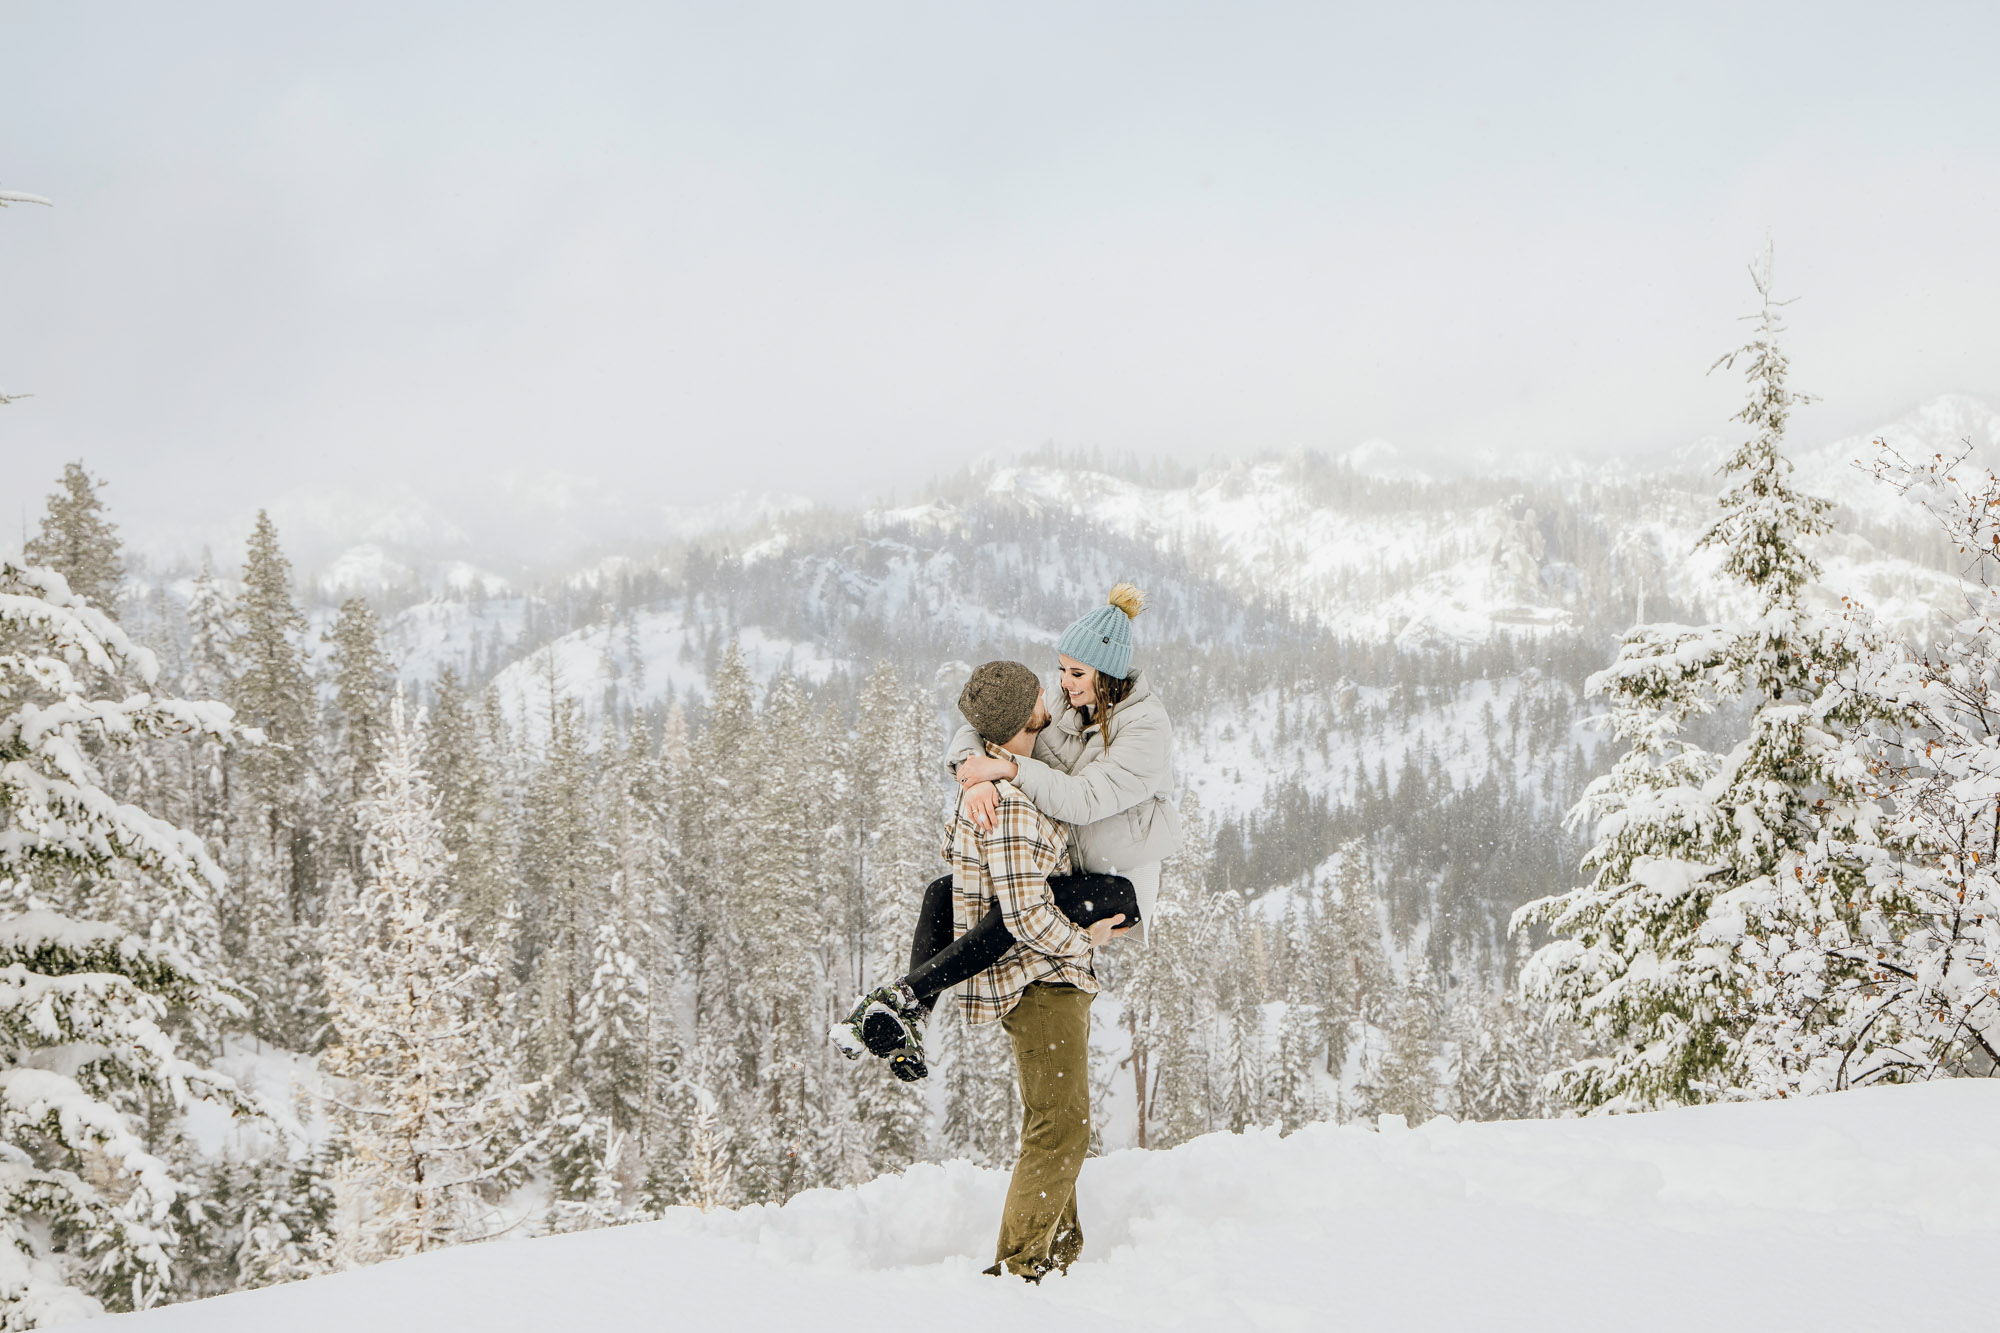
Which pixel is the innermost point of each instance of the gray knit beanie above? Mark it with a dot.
(999, 700)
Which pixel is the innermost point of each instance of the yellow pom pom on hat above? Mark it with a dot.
(1103, 638)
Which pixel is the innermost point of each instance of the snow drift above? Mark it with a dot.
(1835, 1213)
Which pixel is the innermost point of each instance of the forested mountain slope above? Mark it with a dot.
(668, 812)
(1335, 636)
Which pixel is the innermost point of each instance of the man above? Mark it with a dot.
(889, 1021)
(1041, 989)
(1022, 950)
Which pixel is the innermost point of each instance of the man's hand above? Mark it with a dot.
(978, 768)
(1101, 932)
(982, 803)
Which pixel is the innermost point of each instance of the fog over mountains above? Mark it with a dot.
(1351, 644)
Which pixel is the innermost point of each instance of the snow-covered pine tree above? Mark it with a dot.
(1349, 967)
(1294, 1099)
(584, 1154)
(714, 783)
(896, 835)
(897, 798)
(83, 1015)
(846, 1138)
(1888, 975)
(711, 1182)
(658, 793)
(563, 868)
(981, 1103)
(716, 828)
(779, 906)
(645, 903)
(356, 720)
(211, 674)
(251, 1220)
(276, 908)
(424, 1091)
(1240, 1075)
(1537, 1040)
(704, 1174)
(1405, 1081)
(78, 541)
(467, 778)
(1169, 989)
(1478, 1073)
(616, 1055)
(285, 1222)
(210, 659)
(1660, 954)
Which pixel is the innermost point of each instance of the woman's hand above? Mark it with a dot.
(982, 803)
(978, 768)
(1102, 932)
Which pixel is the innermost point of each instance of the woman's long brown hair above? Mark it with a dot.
(1111, 691)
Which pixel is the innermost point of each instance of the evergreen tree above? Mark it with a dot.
(211, 662)
(275, 915)
(1243, 1054)
(634, 956)
(1660, 954)
(78, 541)
(1479, 1065)
(1874, 961)
(1349, 967)
(357, 720)
(584, 1160)
(82, 1017)
(211, 674)
(717, 830)
(563, 871)
(424, 1088)
(466, 758)
(284, 1227)
(616, 1014)
(251, 1220)
(896, 820)
(780, 906)
(1405, 1082)
(981, 1102)
(899, 816)
(1168, 988)
(1294, 1099)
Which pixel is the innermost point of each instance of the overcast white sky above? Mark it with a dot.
(683, 251)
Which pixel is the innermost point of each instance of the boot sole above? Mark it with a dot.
(882, 1034)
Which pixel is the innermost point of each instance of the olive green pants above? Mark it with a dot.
(1050, 1029)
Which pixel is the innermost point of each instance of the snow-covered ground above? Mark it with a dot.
(1867, 1210)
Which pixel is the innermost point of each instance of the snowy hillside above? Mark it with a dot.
(1841, 1212)
(1379, 554)
(1326, 629)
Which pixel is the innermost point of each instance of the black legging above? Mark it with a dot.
(938, 962)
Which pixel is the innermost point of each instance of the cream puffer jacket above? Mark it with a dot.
(1117, 798)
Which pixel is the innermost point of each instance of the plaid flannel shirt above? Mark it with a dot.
(1011, 865)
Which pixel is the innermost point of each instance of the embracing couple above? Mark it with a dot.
(1055, 846)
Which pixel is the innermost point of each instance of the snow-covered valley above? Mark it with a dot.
(1754, 1216)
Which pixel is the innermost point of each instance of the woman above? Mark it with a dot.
(1104, 766)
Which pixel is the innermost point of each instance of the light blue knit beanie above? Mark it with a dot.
(1103, 638)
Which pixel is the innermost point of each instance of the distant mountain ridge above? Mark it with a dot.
(1347, 650)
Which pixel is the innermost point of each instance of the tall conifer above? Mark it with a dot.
(78, 541)
(1659, 955)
